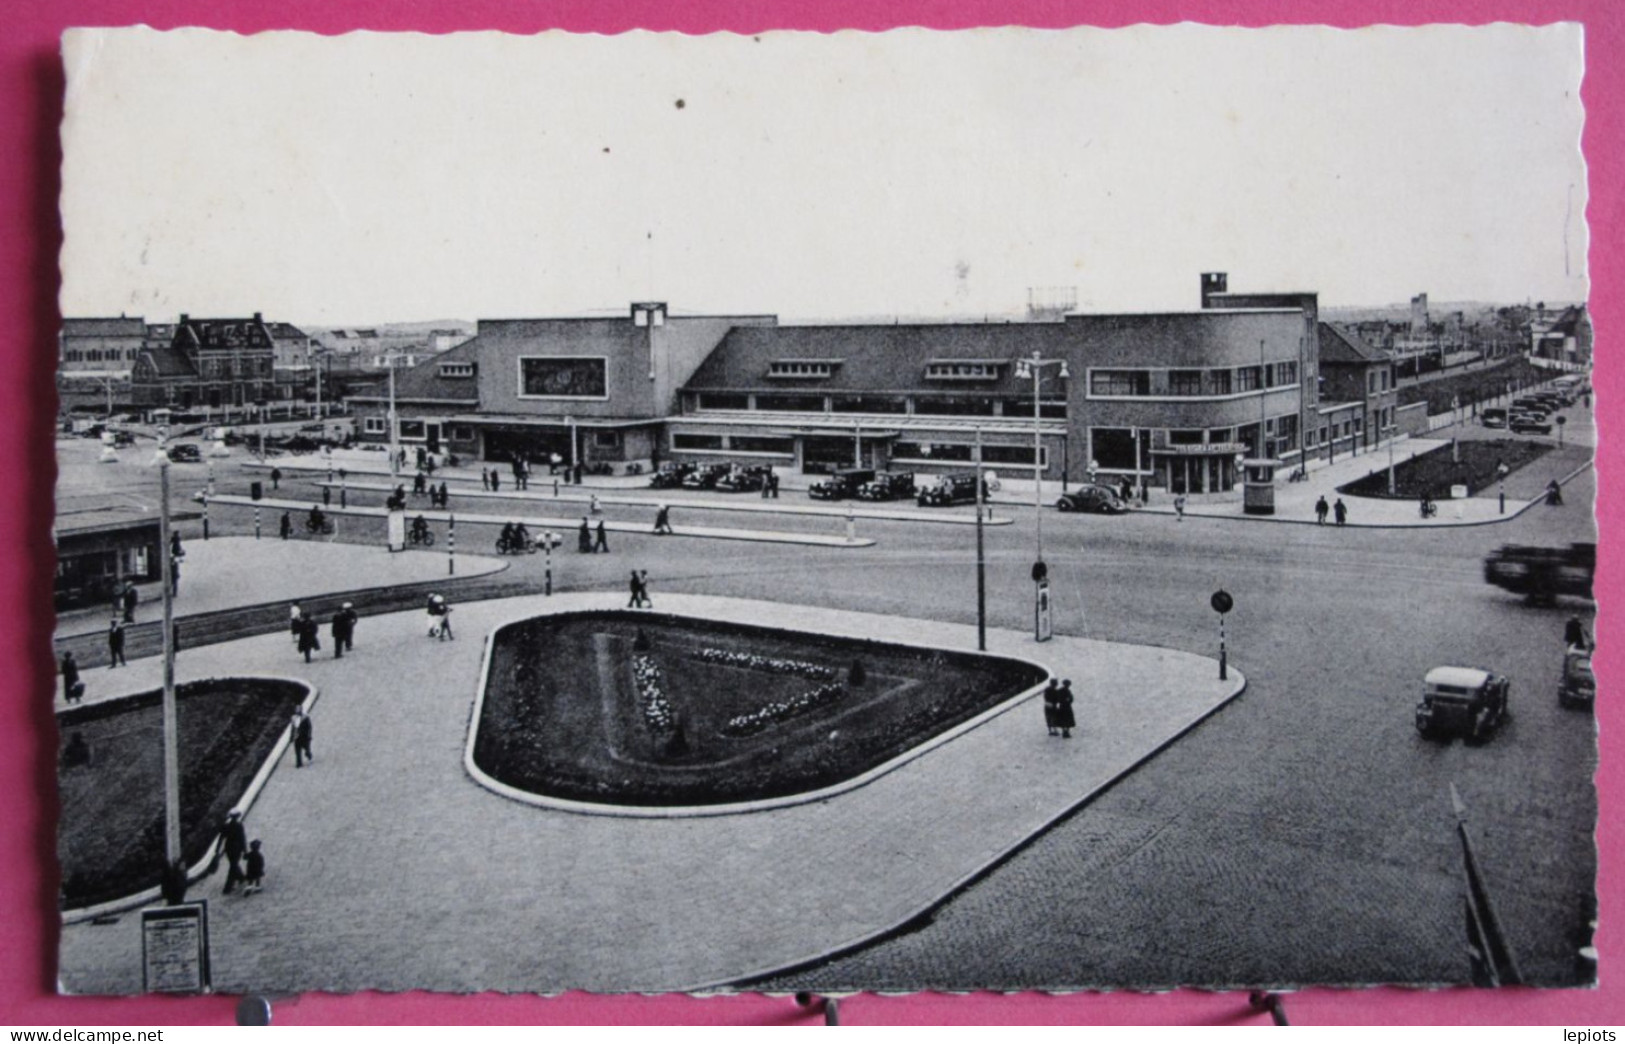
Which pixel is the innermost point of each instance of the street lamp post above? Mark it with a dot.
(174, 868)
(981, 555)
(394, 425)
(1034, 367)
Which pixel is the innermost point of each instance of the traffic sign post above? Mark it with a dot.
(1222, 603)
(1043, 614)
(1561, 420)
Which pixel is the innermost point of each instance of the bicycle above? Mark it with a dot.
(324, 527)
(418, 538)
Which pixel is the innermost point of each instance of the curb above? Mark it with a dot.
(199, 871)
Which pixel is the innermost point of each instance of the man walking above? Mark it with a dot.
(115, 644)
(344, 630)
(601, 543)
(584, 538)
(485, 478)
(1320, 511)
(301, 738)
(663, 521)
(276, 479)
(131, 598)
(233, 843)
(285, 527)
(308, 638)
(1340, 511)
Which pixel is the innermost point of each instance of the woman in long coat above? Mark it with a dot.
(1064, 719)
(1050, 693)
(308, 640)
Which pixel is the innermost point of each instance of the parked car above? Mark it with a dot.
(705, 476)
(1462, 701)
(1527, 425)
(185, 453)
(1542, 573)
(744, 478)
(888, 485)
(670, 475)
(123, 438)
(1494, 417)
(953, 488)
(1096, 500)
(1578, 687)
(842, 484)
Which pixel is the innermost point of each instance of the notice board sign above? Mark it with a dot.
(175, 949)
(1043, 624)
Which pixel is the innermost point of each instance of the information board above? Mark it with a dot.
(175, 949)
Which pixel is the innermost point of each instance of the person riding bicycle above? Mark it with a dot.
(521, 537)
(420, 530)
(317, 521)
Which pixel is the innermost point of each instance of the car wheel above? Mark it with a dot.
(1063, 505)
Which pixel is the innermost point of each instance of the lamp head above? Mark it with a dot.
(1065, 373)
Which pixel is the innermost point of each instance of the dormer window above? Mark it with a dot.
(803, 369)
(963, 369)
(457, 369)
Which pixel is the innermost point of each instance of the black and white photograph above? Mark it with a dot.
(1001, 509)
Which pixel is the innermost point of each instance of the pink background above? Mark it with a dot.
(30, 108)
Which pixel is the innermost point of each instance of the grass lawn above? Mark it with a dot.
(563, 713)
(110, 838)
(1434, 472)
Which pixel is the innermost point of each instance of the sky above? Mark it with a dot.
(372, 178)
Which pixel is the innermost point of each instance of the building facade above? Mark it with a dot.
(1173, 399)
(208, 363)
(1361, 378)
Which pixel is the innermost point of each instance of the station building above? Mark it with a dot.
(1176, 399)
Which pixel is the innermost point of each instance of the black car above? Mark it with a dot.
(1462, 701)
(1097, 500)
(944, 490)
(888, 485)
(705, 476)
(844, 483)
(185, 453)
(744, 478)
(1527, 424)
(670, 475)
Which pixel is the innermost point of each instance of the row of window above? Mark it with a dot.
(1131, 384)
(1113, 449)
(734, 443)
(944, 370)
(956, 406)
(99, 354)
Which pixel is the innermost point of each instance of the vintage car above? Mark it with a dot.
(1462, 701)
(842, 484)
(1096, 500)
(185, 453)
(705, 476)
(1542, 573)
(744, 478)
(1526, 424)
(943, 490)
(1578, 686)
(1493, 417)
(888, 485)
(670, 475)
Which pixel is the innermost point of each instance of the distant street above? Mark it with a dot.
(1303, 834)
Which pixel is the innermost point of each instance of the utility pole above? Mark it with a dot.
(174, 867)
(981, 554)
(394, 426)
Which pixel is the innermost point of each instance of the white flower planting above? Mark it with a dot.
(780, 710)
(772, 665)
(652, 699)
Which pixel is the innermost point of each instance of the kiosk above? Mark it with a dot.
(1258, 485)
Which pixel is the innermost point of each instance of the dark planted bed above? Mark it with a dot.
(646, 709)
(110, 838)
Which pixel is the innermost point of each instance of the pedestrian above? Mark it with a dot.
(584, 538)
(115, 644)
(1340, 511)
(72, 688)
(301, 738)
(577, 479)
(635, 586)
(296, 618)
(175, 549)
(594, 507)
(309, 637)
(344, 630)
(445, 495)
(327, 496)
(1574, 636)
(773, 480)
(1320, 511)
(1051, 692)
(496, 480)
(234, 844)
(253, 868)
(174, 577)
(276, 478)
(524, 473)
(643, 589)
(1064, 719)
(601, 541)
(553, 462)
(1179, 507)
(131, 599)
(420, 483)
(663, 521)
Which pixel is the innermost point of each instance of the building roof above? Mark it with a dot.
(168, 362)
(286, 331)
(423, 383)
(224, 333)
(1339, 345)
(874, 358)
(119, 327)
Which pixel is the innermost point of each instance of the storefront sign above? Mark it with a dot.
(175, 949)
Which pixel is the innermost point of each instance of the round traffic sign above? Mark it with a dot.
(1561, 419)
(1221, 601)
(1040, 572)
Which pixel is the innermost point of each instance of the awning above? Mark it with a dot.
(488, 421)
(835, 433)
(1201, 449)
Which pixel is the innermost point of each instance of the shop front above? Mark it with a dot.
(1199, 468)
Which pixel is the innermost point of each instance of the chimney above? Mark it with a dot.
(1212, 283)
(185, 318)
(259, 317)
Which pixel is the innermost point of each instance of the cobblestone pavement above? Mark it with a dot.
(391, 869)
